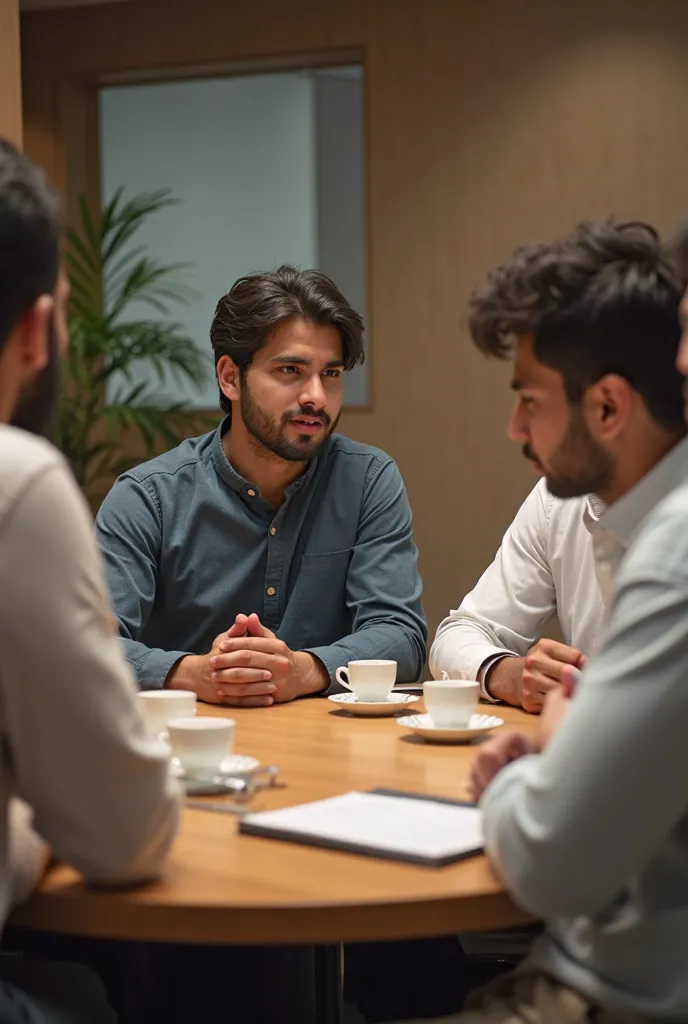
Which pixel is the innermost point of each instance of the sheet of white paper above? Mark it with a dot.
(395, 825)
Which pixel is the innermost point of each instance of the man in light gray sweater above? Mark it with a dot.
(78, 777)
(588, 825)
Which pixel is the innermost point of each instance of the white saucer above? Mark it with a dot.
(479, 725)
(235, 766)
(394, 703)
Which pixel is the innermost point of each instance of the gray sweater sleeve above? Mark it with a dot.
(100, 790)
(568, 829)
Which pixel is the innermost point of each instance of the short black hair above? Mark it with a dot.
(257, 304)
(602, 300)
(29, 237)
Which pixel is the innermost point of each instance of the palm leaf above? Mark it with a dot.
(109, 271)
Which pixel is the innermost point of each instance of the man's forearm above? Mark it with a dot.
(184, 673)
(151, 666)
(29, 854)
(503, 680)
(312, 676)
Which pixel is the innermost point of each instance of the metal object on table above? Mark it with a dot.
(242, 788)
(209, 805)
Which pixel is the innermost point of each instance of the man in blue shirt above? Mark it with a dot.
(249, 563)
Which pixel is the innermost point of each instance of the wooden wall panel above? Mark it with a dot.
(10, 72)
(488, 124)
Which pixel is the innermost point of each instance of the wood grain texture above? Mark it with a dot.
(222, 887)
(10, 72)
(487, 124)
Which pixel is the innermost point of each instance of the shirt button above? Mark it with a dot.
(251, 493)
(273, 531)
(271, 591)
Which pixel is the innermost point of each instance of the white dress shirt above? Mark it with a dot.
(592, 835)
(554, 560)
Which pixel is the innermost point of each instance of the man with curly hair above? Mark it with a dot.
(587, 825)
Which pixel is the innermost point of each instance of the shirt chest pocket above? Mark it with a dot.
(330, 561)
(317, 610)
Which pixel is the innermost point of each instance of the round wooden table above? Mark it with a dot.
(222, 887)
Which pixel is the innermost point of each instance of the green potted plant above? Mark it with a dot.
(104, 397)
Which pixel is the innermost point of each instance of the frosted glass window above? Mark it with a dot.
(268, 169)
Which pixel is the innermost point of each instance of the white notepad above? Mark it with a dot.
(381, 823)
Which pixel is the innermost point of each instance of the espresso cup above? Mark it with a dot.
(201, 744)
(160, 707)
(371, 681)
(451, 702)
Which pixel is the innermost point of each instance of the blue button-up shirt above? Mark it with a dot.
(189, 544)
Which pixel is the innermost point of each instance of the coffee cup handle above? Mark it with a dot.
(339, 676)
(163, 737)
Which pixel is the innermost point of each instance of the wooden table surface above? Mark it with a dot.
(222, 887)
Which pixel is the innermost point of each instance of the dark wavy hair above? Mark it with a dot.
(29, 236)
(255, 306)
(602, 300)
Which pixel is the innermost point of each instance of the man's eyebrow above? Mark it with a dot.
(302, 361)
(295, 360)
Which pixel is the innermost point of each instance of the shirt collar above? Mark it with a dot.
(594, 508)
(625, 516)
(237, 482)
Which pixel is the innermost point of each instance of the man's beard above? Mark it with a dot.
(579, 465)
(36, 408)
(270, 436)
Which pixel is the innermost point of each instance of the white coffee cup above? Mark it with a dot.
(160, 707)
(370, 680)
(201, 744)
(451, 702)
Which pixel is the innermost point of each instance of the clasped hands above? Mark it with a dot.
(248, 666)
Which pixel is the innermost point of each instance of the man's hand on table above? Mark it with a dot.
(556, 706)
(525, 682)
(493, 755)
(256, 669)
(504, 747)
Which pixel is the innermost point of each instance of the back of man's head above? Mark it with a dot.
(604, 300)
(29, 237)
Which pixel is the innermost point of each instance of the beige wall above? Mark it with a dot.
(10, 72)
(488, 123)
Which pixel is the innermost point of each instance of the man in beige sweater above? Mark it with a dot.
(78, 778)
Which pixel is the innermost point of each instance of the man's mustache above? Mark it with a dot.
(530, 454)
(308, 414)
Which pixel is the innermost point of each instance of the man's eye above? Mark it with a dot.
(288, 369)
(333, 373)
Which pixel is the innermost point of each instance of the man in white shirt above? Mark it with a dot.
(588, 824)
(545, 567)
(78, 778)
(557, 558)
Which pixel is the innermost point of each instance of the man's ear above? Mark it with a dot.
(31, 335)
(228, 378)
(608, 406)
